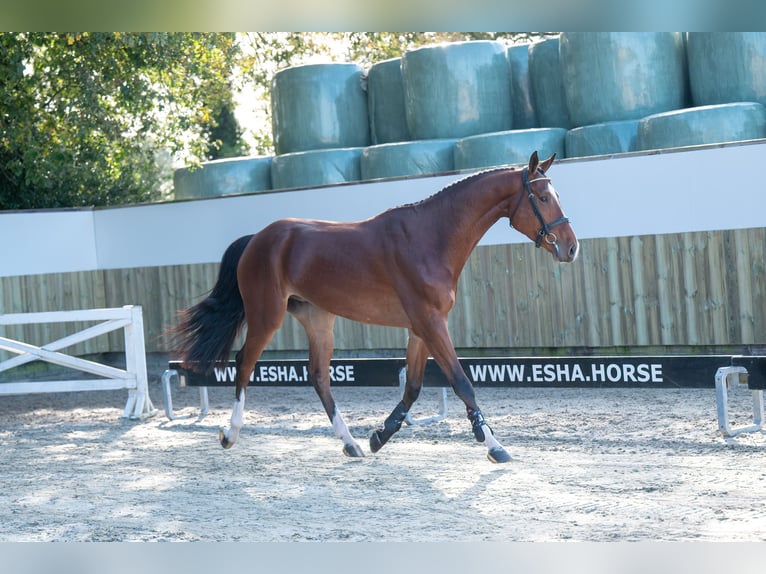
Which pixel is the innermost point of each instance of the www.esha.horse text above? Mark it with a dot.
(284, 374)
(481, 373)
(566, 373)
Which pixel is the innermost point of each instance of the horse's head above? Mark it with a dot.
(537, 212)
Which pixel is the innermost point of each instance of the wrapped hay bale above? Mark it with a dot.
(223, 177)
(727, 67)
(602, 139)
(702, 125)
(509, 147)
(315, 168)
(458, 89)
(615, 76)
(547, 87)
(385, 101)
(407, 158)
(319, 106)
(524, 115)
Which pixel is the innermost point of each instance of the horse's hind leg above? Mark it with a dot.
(228, 436)
(245, 364)
(261, 326)
(417, 356)
(319, 328)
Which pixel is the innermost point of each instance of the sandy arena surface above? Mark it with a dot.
(589, 465)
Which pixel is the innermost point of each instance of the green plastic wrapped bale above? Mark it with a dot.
(315, 168)
(726, 67)
(547, 87)
(703, 125)
(407, 158)
(524, 115)
(509, 147)
(385, 100)
(615, 76)
(602, 139)
(319, 106)
(223, 177)
(456, 90)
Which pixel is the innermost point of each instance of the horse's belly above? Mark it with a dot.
(340, 269)
(376, 314)
(372, 308)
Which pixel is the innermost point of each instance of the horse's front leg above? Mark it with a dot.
(440, 345)
(483, 433)
(481, 430)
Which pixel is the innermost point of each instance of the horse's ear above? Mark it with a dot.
(547, 163)
(534, 161)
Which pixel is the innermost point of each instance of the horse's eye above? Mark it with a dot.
(544, 198)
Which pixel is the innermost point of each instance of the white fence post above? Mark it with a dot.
(135, 362)
(133, 378)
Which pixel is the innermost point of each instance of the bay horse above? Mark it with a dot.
(399, 268)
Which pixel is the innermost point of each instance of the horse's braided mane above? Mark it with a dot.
(456, 184)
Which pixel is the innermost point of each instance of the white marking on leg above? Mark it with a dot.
(237, 418)
(489, 438)
(350, 446)
(340, 428)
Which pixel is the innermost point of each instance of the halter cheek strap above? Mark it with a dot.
(545, 233)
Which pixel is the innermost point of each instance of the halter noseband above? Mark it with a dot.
(545, 232)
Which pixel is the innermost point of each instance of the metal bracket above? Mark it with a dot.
(432, 419)
(723, 384)
(204, 404)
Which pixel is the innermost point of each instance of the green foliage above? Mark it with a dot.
(96, 118)
(89, 118)
(225, 137)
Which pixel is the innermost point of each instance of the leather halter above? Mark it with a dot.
(545, 232)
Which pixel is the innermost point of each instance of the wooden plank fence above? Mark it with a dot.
(702, 288)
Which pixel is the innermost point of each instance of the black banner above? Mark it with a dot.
(674, 371)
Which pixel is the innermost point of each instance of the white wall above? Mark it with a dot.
(33, 242)
(709, 188)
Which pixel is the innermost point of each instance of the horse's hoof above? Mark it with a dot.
(224, 440)
(376, 442)
(498, 455)
(353, 451)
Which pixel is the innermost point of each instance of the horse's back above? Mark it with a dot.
(341, 267)
(309, 248)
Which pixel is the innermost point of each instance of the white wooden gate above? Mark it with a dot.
(133, 378)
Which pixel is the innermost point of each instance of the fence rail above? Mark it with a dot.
(133, 378)
(704, 289)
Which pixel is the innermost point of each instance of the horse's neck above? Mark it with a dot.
(467, 213)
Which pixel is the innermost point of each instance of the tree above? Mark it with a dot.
(96, 118)
(225, 136)
(85, 118)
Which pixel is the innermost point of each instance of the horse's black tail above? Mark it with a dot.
(207, 330)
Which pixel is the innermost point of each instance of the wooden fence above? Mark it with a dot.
(704, 289)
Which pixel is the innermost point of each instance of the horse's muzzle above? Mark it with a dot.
(565, 252)
(571, 253)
